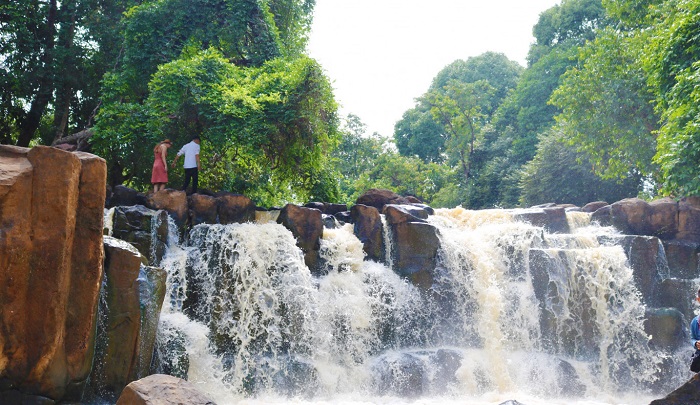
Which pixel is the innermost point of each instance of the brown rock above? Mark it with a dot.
(86, 274)
(415, 252)
(235, 208)
(117, 349)
(202, 209)
(378, 198)
(174, 202)
(396, 214)
(663, 219)
(553, 219)
(161, 389)
(593, 206)
(688, 221)
(369, 230)
(50, 208)
(306, 224)
(631, 216)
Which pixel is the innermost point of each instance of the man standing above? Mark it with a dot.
(191, 164)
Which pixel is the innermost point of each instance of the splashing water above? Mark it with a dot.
(515, 313)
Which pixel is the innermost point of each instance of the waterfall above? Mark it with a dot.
(514, 312)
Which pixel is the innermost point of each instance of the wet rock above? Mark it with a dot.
(330, 222)
(162, 389)
(133, 296)
(602, 216)
(688, 393)
(682, 258)
(679, 294)
(147, 230)
(404, 213)
(174, 202)
(593, 206)
(667, 328)
(568, 380)
(307, 227)
(50, 268)
(344, 217)
(553, 219)
(202, 209)
(415, 251)
(378, 198)
(235, 208)
(369, 230)
(170, 355)
(402, 374)
(664, 217)
(647, 259)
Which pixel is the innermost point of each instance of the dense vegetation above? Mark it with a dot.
(606, 108)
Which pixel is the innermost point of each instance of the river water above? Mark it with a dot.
(258, 328)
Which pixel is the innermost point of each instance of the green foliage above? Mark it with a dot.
(277, 121)
(52, 57)
(606, 108)
(560, 174)
(675, 72)
(356, 154)
(431, 182)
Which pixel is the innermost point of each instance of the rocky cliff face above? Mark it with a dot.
(51, 204)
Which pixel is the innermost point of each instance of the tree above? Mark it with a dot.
(420, 133)
(560, 174)
(672, 64)
(356, 154)
(275, 122)
(461, 109)
(52, 57)
(606, 106)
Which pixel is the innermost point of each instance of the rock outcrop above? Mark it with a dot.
(51, 204)
(306, 225)
(162, 389)
(688, 393)
(133, 296)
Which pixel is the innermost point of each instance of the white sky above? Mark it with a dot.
(382, 54)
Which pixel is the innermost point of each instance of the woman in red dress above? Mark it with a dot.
(159, 174)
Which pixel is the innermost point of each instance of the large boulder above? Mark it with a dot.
(162, 389)
(174, 202)
(202, 209)
(378, 198)
(689, 220)
(306, 224)
(122, 195)
(369, 230)
(553, 219)
(415, 246)
(51, 217)
(235, 208)
(133, 295)
(667, 328)
(647, 258)
(682, 258)
(146, 229)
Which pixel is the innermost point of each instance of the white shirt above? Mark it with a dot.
(190, 150)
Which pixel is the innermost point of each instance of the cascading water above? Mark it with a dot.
(514, 313)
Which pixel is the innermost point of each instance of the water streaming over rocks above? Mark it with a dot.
(514, 312)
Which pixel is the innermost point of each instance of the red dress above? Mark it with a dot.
(158, 175)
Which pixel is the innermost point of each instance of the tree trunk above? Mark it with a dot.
(31, 121)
